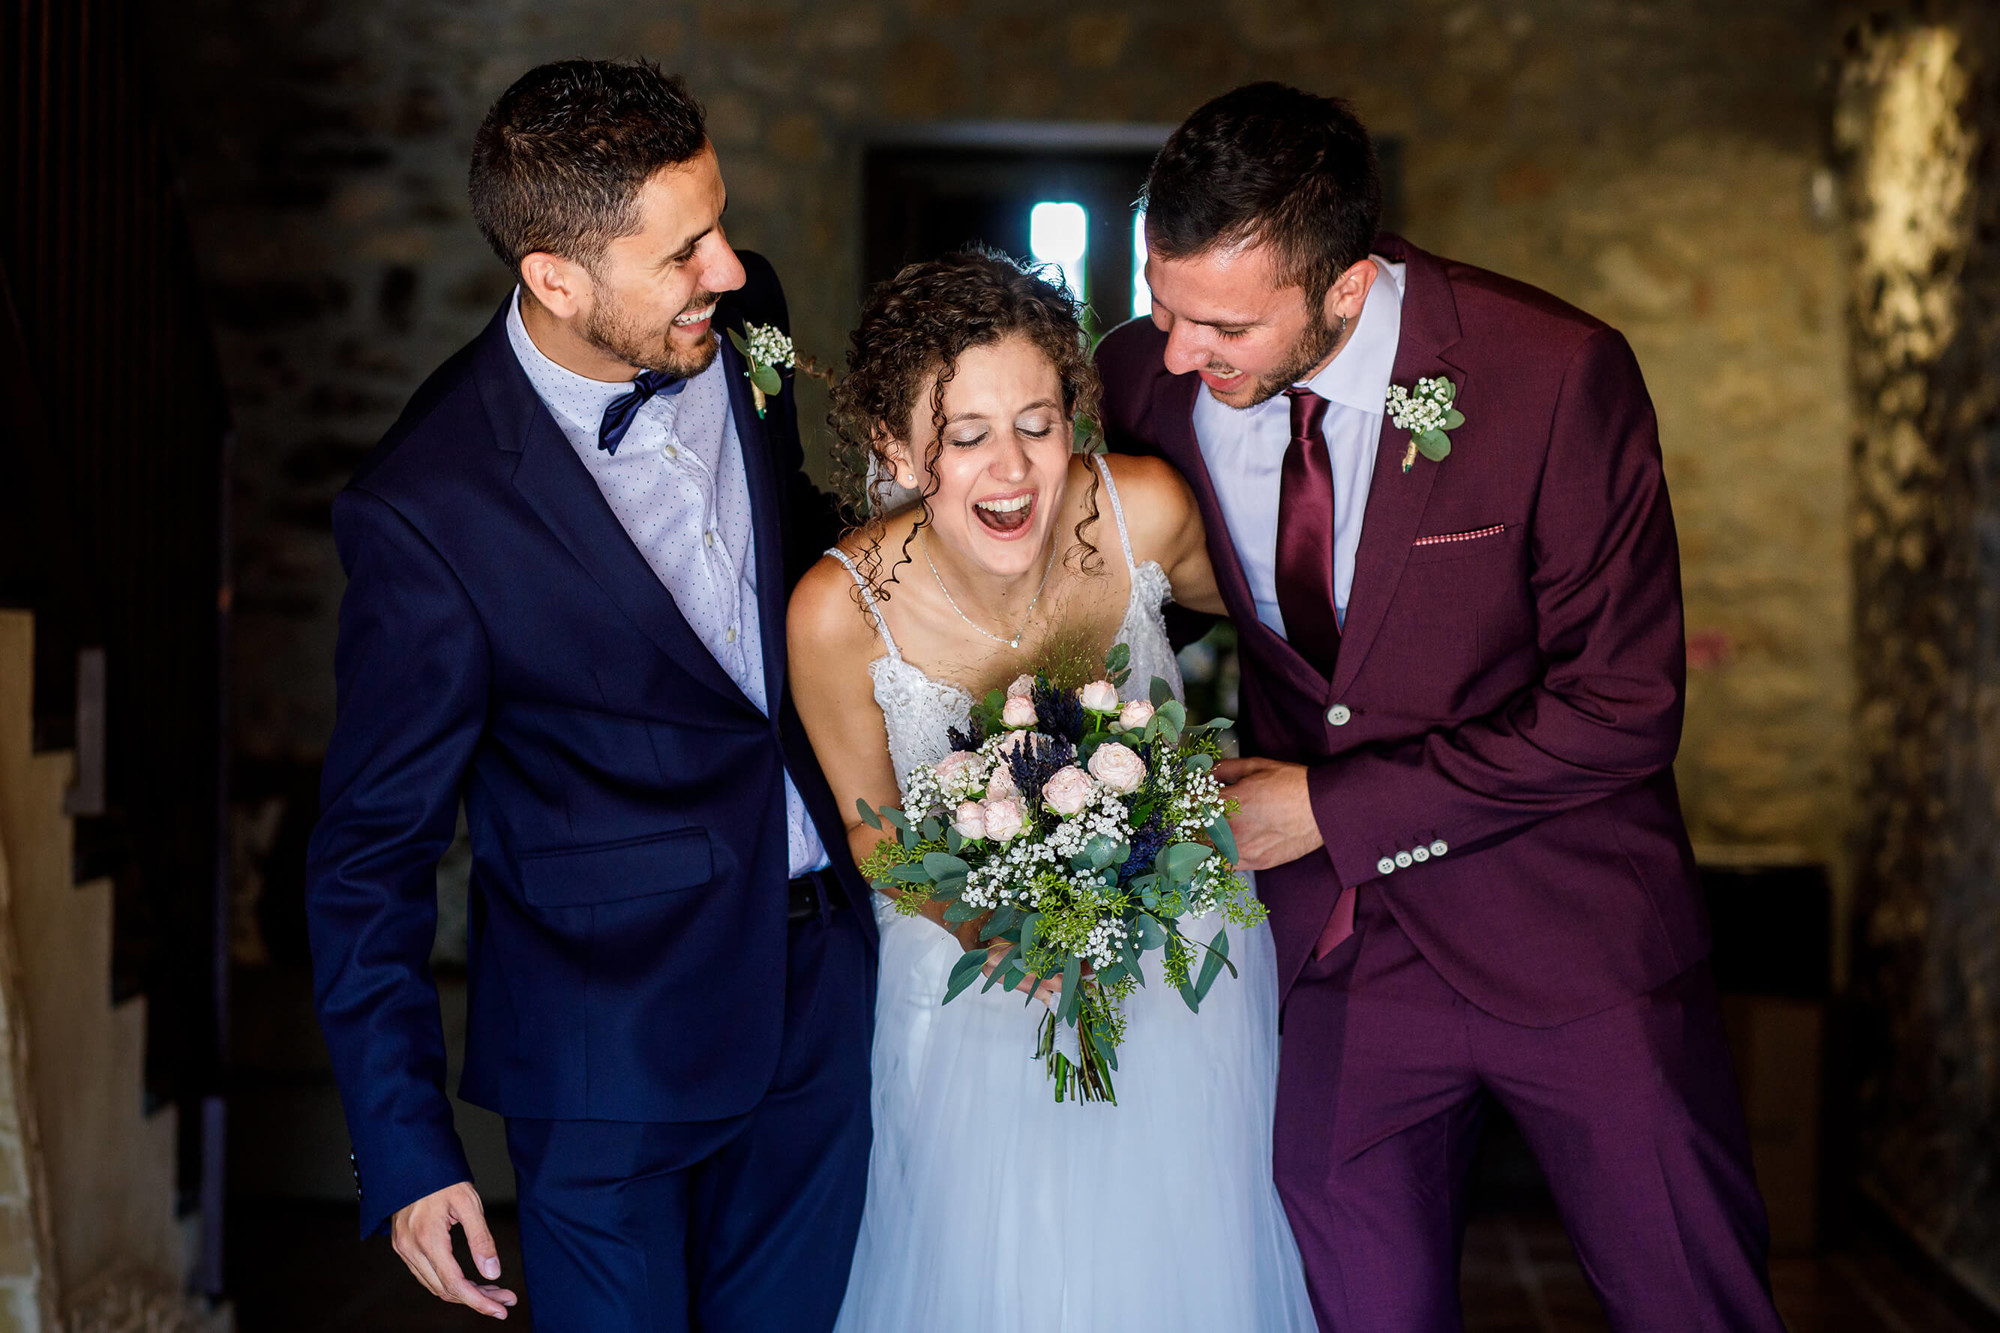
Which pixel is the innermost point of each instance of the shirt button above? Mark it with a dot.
(1386, 866)
(731, 636)
(708, 537)
(1438, 848)
(672, 452)
(1339, 715)
(1420, 854)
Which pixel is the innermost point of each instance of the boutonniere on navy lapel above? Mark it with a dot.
(768, 351)
(1426, 412)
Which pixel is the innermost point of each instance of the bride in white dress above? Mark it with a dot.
(991, 1207)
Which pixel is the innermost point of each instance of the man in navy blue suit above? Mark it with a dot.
(568, 565)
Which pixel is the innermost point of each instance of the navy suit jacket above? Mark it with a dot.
(504, 644)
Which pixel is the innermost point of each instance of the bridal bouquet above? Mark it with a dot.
(1085, 832)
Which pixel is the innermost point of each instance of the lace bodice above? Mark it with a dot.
(918, 710)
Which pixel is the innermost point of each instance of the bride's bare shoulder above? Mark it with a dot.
(1158, 504)
(827, 614)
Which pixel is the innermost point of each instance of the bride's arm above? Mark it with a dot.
(1164, 522)
(830, 642)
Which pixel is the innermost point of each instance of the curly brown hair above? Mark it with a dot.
(917, 325)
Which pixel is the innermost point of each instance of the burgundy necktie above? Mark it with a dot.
(1305, 537)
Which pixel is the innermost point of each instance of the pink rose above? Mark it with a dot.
(1068, 790)
(1118, 767)
(1013, 741)
(1100, 696)
(1135, 715)
(1022, 687)
(1000, 787)
(970, 821)
(1019, 712)
(1004, 818)
(951, 768)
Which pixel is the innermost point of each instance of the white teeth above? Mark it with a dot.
(696, 316)
(1006, 506)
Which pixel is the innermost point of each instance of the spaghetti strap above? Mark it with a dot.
(868, 598)
(1117, 511)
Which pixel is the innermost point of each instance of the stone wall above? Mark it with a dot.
(1654, 162)
(1918, 114)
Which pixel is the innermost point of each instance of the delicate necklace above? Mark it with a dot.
(1014, 642)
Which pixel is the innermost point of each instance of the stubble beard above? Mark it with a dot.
(609, 331)
(1315, 344)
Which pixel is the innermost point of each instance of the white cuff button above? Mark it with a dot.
(1420, 854)
(1404, 860)
(1385, 866)
(1340, 715)
(1438, 848)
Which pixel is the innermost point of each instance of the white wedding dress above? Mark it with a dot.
(991, 1208)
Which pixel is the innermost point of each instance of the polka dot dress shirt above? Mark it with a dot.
(676, 485)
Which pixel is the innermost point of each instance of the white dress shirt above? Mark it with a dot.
(1245, 448)
(677, 487)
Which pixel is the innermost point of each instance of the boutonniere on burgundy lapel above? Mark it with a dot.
(1426, 412)
(767, 350)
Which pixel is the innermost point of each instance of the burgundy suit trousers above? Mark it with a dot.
(1632, 1113)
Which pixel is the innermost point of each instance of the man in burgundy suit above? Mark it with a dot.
(1462, 685)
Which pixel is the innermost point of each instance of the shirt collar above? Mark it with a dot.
(1359, 376)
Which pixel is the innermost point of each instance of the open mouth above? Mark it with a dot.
(690, 318)
(1221, 378)
(1007, 515)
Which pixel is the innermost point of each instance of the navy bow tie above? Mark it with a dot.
(622, 409)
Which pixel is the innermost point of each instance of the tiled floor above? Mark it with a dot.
(297, 1268)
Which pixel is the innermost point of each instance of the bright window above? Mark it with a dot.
(1059, 234)
(1142, 295)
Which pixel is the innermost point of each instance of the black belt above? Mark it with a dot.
(809, 891)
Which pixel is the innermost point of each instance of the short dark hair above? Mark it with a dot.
(558, 161)
(1275, 165)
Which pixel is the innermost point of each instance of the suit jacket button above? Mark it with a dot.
(1404, 860)
(1386, 866)
(1420, 854)
(1340, 715)
(1438, 848)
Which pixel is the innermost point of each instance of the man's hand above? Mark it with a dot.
(1275, 823)
(421, 1234)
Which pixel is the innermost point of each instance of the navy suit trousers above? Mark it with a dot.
(745, 1224)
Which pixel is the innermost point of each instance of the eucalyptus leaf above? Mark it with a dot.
(932, 829)
(1177, 861)
(964, 972)
(894, 816)
(1001, 969)
(1224, 839)
(942, 865)
(1454, 419)
(1434, 445)
(1161, 693)
(766, 378)
(1102, 852)
(960, 912)
(1191, 996)
(1149, 932)
(910, 873)
(1118, 659)
(741, 344)
(949, 889)
(1211, 966)
(868, 815)
(1200, 763)
(1031, 930)
(953, 839)
(1072, 989)
(1002, 923)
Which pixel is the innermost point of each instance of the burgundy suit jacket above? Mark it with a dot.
(1511, 673)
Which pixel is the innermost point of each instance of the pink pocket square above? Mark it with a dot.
(1445, 539)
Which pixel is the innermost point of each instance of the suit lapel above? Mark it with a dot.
(1396, 498)
(767, 519)
(557, 486)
